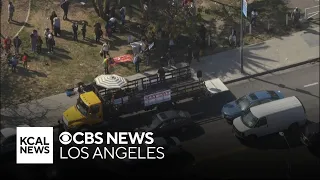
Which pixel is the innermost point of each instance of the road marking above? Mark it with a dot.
(25, 21)
(313, 84)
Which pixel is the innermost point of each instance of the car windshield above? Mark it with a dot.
(243, 103)
(82, 107)
(249, 120)
(155, 122)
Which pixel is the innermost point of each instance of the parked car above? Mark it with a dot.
(168, 121)
(171, 145)
(234, 109)
(310, 136)
(8, 139)
(269, 118)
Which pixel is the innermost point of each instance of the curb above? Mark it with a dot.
(248, 76)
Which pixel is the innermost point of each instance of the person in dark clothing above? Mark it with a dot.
(84, 30)
(189, 55)
(136, 62)
(196, 53)
(39, 44)
(51, 43)
(162, 73)
(17, 43)
(53, 15)
(75, 31)
(97, 31)
(170, 57)
(65, 8)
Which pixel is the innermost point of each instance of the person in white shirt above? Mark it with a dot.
(105, 49)
(56, 26)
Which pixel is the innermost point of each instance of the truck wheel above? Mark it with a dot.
(84, 128)
(293, 128)
(252, 138)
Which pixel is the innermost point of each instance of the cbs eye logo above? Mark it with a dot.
(65, 138)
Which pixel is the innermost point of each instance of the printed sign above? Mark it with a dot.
(244, 7)
(157, 98)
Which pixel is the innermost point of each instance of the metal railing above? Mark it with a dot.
(312, 14)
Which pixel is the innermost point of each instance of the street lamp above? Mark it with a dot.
(289, 149)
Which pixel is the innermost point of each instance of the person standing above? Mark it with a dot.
(14, 63)
(233, 38)
(106, 62)
(10, 11)
(51, 43)
(136, 62)
(75, 31)
(7, 44)
(196, 53)
(123, 15)
(84, 30)
(34, 39)
(105, 49)
(17, 43)
(296, 16)
(65, 7)
(97, 31)
(25, 60)
(53, 15)
(162, 73)
(56, 26)
(39, 45)
(46, 33)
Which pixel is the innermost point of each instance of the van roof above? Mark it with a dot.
(275, 106)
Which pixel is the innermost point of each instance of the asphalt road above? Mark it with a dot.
(217, 151)
(210, 148)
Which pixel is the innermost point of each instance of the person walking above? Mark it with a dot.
(161, 73)
(25, 60)
(254, 15)
(233, 38)
(14, 63)
(10, 11)
(65, 7)
(51, 43)
(56, 26)
(136, 62)
(53, 15)
(105, 49)
(17, 44)
(7, 44)
(39, 45)
(34, 39)
(46, 33)
(84, 30)
(75, 31)
(296, 16)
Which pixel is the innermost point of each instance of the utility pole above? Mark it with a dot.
(241, 38)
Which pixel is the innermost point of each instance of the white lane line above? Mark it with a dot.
(313, 84)
(25, 21)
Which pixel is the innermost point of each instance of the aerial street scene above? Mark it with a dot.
(193, 89)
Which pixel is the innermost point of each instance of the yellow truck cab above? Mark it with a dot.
(86, 112)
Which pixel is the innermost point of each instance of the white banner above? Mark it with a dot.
(157, 98)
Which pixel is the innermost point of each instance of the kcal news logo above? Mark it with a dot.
(34, 145)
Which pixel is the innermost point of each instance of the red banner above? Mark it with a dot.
(123, 58)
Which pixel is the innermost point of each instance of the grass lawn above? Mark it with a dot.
(49, 74)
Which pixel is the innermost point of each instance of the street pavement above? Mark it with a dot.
(274, 53)
(211, 150)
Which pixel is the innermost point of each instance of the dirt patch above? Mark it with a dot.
(19, 17)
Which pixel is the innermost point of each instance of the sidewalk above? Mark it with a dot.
(272, 54)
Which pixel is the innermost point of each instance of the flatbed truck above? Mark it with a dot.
(97, 106)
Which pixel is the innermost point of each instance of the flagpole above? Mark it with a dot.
(241, 38)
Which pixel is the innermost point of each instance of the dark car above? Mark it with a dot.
(234, 109)
(310, 136)
(168, 121)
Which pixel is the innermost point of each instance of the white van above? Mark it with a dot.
(269, 118)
